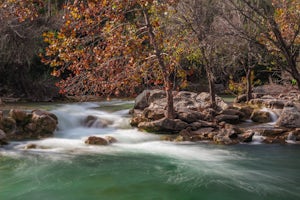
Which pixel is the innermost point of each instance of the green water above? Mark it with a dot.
(241, 172)
(140, 166)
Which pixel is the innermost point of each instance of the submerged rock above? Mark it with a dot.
(95, 122)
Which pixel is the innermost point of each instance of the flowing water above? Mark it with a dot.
(140, 166)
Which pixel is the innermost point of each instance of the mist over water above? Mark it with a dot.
(140, 165)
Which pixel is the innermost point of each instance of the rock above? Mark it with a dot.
(247, 111)
(200, 124)
(233, 112)
(190, 116)
(45, 122)
(275, 140)
(94, 140)
(8, 125)
(154, 114)
(261, 116)
(272, 132)
(144, 99)
(95, 122)
(3, 138)
(30, 146)
(275, 104)
(18, 115)
(290, 117)
(110, 139)
(137, 117)
(247, 136)
(164, 125)
(224, 139)
(204, 99)
(292, 136)
(232, 119)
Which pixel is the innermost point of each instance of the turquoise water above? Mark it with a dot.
(140, 166)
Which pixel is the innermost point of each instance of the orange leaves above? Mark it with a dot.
(102, 50)
(21, 9)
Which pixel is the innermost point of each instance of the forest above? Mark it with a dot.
(51, 48)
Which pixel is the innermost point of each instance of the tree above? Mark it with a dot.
(198, 17)
(278, 22)
(106, 47)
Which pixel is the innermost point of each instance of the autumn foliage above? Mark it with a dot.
(104, 47)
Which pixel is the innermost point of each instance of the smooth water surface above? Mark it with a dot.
(140, 166)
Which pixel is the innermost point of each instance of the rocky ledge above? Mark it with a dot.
(21, 125)
(196, 121)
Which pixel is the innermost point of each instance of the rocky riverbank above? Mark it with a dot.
(196, 121)
(22, 125)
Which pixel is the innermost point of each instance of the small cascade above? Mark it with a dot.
(273, 115)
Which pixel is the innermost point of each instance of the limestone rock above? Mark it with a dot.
(232, 119)
(163, 125)
(154, 114)
(44, 121)
(144, 99)
(94, 140)
(190, 116)
(18, 115)
(247, 136)
(290, 117)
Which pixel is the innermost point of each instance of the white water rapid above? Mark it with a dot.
(71, 134)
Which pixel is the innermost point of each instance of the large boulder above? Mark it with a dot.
(164, 125)
(290, 117)
(144, 99)
(44, 122)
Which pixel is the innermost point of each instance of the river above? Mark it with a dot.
(140, 165)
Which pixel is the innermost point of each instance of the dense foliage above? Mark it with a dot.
(117, 47)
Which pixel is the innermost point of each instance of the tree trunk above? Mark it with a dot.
(170, 112)
(249, 84)
(211, 85)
